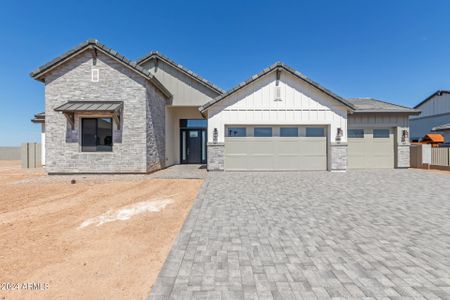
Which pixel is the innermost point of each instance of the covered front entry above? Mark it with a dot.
(193, 141)
(370, 148)
(275, 148)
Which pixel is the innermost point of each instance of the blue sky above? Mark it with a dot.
(397, 51)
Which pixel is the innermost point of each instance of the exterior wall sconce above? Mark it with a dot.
(404, 135)
(215, 135)
(339, 134)
(277, 86)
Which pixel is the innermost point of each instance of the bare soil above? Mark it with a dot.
(41, 240)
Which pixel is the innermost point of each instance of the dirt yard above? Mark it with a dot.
(104, 237)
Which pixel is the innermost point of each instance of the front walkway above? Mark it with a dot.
(314, 235)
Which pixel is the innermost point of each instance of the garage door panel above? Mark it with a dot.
(263, 146)
(276, 153)
(313, 146)
(236, 162)
(286, 147)
(239, 145)
(371, 153)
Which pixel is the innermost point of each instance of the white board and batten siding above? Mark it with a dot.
(299, 103)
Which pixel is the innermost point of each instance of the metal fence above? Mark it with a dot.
(440, 157)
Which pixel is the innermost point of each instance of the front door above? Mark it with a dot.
(193, 146)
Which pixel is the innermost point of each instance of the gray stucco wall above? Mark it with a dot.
(72, 82)
(421, 126)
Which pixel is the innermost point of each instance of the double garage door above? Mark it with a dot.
(370, 148)
(276, 148)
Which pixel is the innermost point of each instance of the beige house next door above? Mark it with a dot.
(371, 148)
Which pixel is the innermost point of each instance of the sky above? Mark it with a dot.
(398, 51)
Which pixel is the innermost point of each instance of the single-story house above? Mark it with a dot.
(434, 116)
(107, 114)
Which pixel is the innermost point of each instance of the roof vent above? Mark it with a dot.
(95, 76)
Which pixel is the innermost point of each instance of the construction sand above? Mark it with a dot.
(104, 237)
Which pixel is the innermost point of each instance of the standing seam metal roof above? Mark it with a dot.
(73, 106)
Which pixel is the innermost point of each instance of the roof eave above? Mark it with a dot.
(410, 112)
(91, 44)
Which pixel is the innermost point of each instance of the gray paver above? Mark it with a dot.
(305, 235)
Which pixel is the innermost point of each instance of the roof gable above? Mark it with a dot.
(277, 67)
(154, 55)
(94, 45)
(437, 93)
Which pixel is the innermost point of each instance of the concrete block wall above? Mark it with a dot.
(30, 155)
(9, 153)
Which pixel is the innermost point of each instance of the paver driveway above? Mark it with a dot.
(379, 234)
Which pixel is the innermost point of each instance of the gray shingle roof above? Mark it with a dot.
(441, 127)
(39, 73)
(437, 93)
(108, 106)
(278, 65)
(181, 68)
(373, 105)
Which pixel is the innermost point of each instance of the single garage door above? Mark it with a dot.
(370, 148)
(275, 148)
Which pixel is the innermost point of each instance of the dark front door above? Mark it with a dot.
(193, 146)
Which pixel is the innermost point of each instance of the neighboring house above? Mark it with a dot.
(106, 114)
(434, 116)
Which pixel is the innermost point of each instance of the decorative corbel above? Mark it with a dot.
(116, 117)
(94, 56)
(70, 116)
(277, 82)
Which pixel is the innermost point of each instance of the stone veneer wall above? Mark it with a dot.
(156, 144)
(403, 156)
(338, 157)
(71, 81)
(216, 157)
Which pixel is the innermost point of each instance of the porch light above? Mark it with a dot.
(339, 134)
(215, 135)
(404, 135)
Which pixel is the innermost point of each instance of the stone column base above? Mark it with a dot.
(338, 157)
(216, 157)
(402, 155)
